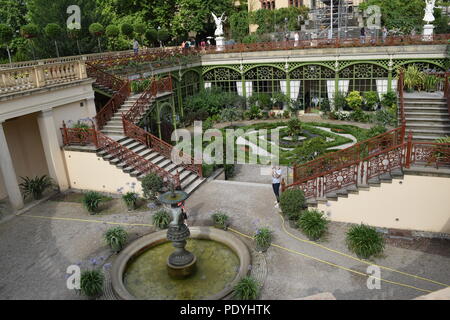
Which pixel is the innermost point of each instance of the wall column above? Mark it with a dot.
(9, 175)
(52, 150)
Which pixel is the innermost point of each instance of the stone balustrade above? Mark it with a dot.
(41, 75)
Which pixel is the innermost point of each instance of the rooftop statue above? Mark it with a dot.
(219, 24)
(429, 9)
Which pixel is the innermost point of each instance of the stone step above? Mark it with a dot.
(418, 125)
(189, 180)
(194, 185)
(420, 109)
(113, 132)
(427, 115)
(428, 138)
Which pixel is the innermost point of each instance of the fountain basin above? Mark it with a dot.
(156, 241)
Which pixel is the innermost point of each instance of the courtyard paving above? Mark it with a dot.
(37, 247)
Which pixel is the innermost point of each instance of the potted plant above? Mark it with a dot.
(220, 220)
(130, 199)
(263, 239)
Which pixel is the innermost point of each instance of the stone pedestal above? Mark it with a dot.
(220, 43)
(428, 32)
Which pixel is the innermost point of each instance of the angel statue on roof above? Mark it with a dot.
(219, 24)
(429, 9)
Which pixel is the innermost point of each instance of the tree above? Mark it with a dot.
(29, 32)
(6, 36)
(97, 30)
(127, 31)
(239, 22)
(53, 31)
(152, 36)
(139, 29)
(112, 32)
(163, 35)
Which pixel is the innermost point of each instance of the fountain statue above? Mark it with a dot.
(220, 40)
(428, 18)
(181, 263)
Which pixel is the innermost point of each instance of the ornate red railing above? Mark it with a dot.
(162, 147)
(351, 166)
(430, 153)
(111, 107)
(132, 160)
(105, 79)
(139, 108)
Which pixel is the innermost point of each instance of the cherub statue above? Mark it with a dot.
(429, 9)
(219, 24)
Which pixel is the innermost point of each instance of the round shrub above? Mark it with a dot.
(96, 29)
(91, 283)
(151, 185)
(91, 201)
(112, 31)
(116, 238)
(365, 241)
(292, 201)
(313, 223)
(6, 34)
(161, 219)
(29, 31)
(246, 289)
(53, 30)
(127, 30)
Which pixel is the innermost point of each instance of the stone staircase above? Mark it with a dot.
(103, 89)
(426, 116)
(353, 189)
(190, 181)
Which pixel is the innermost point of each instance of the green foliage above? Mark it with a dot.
(354, 100)
(163, 35)
(127, 30)
(262, 100)
(220, 220)
(29, 31)
(445, 139)
(139, 86)
(387, 116)
(292, 201)
(310, 149)
(254, 112)
(116, 238)
(413, 77)
(239, 25)
(251, 38)
(91, 201)
(140, 28)
(246, 289)
(375, 131)
(365, 241)
(151, 35)
(96, 29)
(112, 31)
(151, 185)
(325, 105)
(263, 239)
(340, 101)
(229, 170)
(313, 223)
(212, 101)
(35, 186)
(389, 99)
(294, 127)
(231, 114)
(53, 31)
(207, 169)
(371, 100)
(91, 282)
(430, 83)
(6, 34)
(161, 219)
(268, 19)
(130, 199)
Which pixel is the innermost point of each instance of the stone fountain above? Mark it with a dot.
(181, 263)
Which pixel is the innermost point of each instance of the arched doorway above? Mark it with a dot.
(166, 122)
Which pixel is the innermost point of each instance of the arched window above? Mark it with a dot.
(265, 79)
(363, 77)
(226, 79)
(189, 84)
(312, 85)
